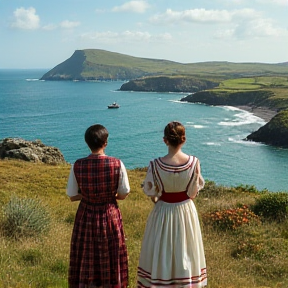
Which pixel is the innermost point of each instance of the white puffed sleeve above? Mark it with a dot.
(149, 187)
(72, 185)
(123, 185)
(197, 182)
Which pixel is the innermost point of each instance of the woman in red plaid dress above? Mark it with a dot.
(98, 256)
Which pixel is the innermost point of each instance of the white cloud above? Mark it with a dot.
(49, 27)
(69, 24)
(259, 28)
(202, 16)
(253, 28)
(26, 19)
(193, 15)
(137, 6)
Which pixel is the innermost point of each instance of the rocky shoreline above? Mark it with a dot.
(261, 112)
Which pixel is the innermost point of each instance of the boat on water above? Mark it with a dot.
(113, 105)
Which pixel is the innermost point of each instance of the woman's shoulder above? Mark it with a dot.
(113, 159)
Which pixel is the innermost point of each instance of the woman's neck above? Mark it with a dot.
(98, 152)
(173, 151)
(175, 156)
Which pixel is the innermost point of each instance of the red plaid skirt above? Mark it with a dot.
(98, 256)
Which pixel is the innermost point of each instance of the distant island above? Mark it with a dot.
(256, 87)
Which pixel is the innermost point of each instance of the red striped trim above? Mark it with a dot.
(175, 168)
(158, 282)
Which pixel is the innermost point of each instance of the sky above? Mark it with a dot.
(42, 34)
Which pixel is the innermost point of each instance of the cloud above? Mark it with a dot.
(137, 6)
(254, 28)
(49, 27)
(238, 23)
(193, 15)
(69, 24)
(26, 19)
(203, 16)
(125, 37)
(259, 28)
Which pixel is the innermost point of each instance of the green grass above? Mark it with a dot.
(249, 256)
(165, 67)
(254, 83)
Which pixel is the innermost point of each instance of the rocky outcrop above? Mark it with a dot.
(34, 151)
(273, 133)
(168, 84)
(256, 98)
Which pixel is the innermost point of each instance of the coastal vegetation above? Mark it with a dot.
(96, 64)
(245, 231)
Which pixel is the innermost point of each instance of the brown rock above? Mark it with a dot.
(34, 151)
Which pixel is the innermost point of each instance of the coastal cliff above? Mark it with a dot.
(168, 84)
(274, 133)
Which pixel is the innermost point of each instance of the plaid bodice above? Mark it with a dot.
(98, 177)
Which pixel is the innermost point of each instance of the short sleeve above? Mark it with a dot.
(149, 187)
(72, 185)
(197, 182)
(123, 185)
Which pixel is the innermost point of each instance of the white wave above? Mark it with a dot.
(213, 144)
(196, 126)
(231, 108)
(241, 141)
(32, 79)
(242, 118)
(176, 101)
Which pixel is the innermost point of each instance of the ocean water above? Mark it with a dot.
(58, 113)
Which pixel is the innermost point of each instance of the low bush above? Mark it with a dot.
(24, 218)
(230, 219)
(272, 206)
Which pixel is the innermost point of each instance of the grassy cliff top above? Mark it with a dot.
(91, 64)
(254, 255)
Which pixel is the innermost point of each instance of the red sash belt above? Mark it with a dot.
(174, 197)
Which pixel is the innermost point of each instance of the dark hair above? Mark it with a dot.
(96, 136)
(174, 132)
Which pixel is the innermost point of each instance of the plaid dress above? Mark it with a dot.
(98, 255)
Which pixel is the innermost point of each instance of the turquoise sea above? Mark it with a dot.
(58, 113)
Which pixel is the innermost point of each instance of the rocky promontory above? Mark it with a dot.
(258, 102)
(274, 133)
(33, 151)
(169, 84)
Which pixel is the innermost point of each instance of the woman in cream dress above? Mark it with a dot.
(172, 253)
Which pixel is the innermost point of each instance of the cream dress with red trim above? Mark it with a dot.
(172, 253)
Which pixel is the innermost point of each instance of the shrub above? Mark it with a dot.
(247, 249)
(230, 219)
(70, 218)
(272, 206)
(24, 218)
